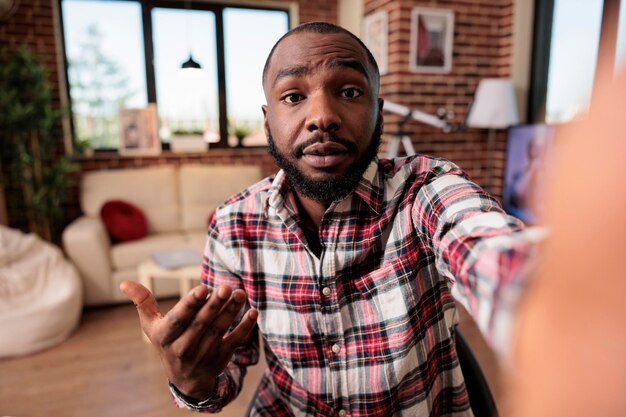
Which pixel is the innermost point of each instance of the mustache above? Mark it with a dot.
(298, 151)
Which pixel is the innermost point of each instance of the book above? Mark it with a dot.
(176, 258)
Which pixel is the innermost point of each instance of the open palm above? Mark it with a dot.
(191, 338)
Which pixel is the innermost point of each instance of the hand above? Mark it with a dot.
(190, 337)
(570, 336)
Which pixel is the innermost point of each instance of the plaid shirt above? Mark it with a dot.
(366, 329)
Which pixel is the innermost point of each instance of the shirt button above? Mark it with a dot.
(342, 413)
(336, 349)
(326, 291)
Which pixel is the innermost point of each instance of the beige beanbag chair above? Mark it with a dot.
(40, 294)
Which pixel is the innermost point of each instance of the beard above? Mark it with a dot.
(326, 190)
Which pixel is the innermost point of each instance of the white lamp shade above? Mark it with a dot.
(495, 105)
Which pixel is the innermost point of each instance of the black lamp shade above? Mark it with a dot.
(190, 63)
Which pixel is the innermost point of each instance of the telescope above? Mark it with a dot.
(439, 121)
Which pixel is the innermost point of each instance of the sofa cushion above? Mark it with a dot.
(123, 220)
(203, 188)
(153, 190)
(130, 254)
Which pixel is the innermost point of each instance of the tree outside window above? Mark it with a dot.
(108, 43)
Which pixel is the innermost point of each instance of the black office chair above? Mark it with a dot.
(480, 397)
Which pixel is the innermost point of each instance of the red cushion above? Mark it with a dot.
(123, 220)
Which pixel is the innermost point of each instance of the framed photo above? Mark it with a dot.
(139, 131)
(432, 33)
(375, 32)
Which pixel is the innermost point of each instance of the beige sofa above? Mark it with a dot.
(176, 201)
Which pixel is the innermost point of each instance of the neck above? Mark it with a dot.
(311, 211)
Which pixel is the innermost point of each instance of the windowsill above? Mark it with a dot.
(169, 155)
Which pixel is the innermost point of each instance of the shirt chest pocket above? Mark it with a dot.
(384, 316)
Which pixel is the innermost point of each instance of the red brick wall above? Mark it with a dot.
(482, 48)
(33, 25)
(317, 10)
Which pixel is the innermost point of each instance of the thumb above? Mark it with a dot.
(145, 302)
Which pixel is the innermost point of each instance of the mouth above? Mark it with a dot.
(325, 155)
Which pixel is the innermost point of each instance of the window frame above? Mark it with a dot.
(290, 8)
(541, 46)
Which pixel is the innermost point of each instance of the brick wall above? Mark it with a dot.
(33, 25)
(482, 48)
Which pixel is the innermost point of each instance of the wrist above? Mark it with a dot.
(197, 396)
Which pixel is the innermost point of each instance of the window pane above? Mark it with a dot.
(187, 99)
(247, 48)
(103, 76)
(573, 55)
(620, 53)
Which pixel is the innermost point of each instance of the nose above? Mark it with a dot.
(322, 114)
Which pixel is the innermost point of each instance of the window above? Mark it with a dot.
(127, 53)
(620, 52)
(102, 76)
(572, 41)
(244, 66)
(573, 56)
(184, 107)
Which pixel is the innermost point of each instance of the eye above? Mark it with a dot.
(293, 98)
(351, 92)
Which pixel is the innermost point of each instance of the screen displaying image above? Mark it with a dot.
(529, 149)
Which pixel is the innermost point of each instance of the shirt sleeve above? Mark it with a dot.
(485, 253)
(220, 267)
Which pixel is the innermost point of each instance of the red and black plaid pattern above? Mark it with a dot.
(367, 328)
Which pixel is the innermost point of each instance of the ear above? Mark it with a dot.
(266, 126)
(381, 103)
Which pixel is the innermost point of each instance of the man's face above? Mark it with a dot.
(323, 117)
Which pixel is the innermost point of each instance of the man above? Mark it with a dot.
(344, 262)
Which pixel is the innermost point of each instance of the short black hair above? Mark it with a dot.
(323, 27)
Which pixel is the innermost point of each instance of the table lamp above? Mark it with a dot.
(494, 107)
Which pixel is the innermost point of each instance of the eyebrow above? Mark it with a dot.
(348, 63)
(292, 72)
(333, 63)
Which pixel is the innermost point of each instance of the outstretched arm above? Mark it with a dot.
(570, 354)
(483, 251)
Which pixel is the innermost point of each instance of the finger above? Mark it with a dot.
(145, 302)
(241, 332)
(179, 317)
(229, 312)
(202, 323)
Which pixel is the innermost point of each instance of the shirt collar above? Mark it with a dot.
(370, 188)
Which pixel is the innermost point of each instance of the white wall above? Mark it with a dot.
(350, 15)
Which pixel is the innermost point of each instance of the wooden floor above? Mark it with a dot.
(105, 369)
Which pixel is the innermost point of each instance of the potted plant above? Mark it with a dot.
(29, 137)
(188, 140)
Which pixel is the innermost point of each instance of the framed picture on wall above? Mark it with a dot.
(432, 33)
(139, 131)
(374, 35)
